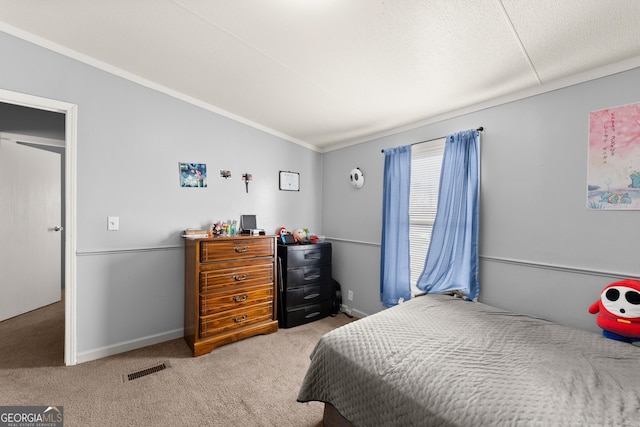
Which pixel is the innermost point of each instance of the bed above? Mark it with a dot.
(438, 360)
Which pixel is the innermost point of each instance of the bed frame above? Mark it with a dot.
(332, 418)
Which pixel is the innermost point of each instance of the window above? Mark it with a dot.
(426, 163)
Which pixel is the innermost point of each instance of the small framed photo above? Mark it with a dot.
(289, 181)
(193, 174)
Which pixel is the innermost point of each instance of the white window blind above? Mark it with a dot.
(426, 162)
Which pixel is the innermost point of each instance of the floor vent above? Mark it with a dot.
(144, 372)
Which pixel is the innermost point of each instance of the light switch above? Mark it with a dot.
(113, 223)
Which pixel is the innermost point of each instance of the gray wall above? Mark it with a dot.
(130, 140)
(541, 251)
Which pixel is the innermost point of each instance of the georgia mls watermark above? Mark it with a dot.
(31, 416)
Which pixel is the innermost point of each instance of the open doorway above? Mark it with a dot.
(31, 244)
(56, 120)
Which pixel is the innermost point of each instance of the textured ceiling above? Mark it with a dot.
(329, 73)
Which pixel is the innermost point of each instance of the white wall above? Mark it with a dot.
(130, 140)
(541, 251)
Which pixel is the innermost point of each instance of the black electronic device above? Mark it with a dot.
(287, 239)
(248, 222)
(248, 226)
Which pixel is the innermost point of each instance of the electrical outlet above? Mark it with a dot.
(350, 295)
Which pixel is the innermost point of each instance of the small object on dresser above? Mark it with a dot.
(300, 235)
(287, 239)
(194, 232)
(216, 228)
(249, 227)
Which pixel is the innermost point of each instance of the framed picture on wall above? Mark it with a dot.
(289, 181)
(193, 175)
(614, 158)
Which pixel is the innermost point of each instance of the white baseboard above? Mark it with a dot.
(122, 347)
(352, 312)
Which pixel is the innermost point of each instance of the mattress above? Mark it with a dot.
(437, 360)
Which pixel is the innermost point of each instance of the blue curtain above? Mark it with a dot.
(395, 275)
(452, 259)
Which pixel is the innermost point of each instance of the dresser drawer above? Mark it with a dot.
(238, 248)
(307, 276)
(304, 255)
(232, 319)
(231, 274)
(310, 294)
(235, 298)
(304, 314)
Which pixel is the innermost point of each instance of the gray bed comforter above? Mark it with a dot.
(442, 361)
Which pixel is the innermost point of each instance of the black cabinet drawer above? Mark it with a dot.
(311, 294)
(300, 315)
(304, 255)
(307, 276)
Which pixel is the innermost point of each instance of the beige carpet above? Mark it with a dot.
(253, 382)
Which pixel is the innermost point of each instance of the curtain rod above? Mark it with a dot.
(480, 129)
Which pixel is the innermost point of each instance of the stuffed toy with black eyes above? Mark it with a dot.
(618, 311)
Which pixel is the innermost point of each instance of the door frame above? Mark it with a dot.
(70, 175)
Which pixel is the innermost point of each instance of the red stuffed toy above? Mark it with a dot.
(619, 310)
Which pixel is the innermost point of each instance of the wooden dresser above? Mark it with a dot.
(230, 290)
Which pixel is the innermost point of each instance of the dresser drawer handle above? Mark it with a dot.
(238, 249)
(239, 278)
(239, 319)
(238, 298)
(311, 296)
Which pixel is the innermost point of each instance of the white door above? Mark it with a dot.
(30, 229)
